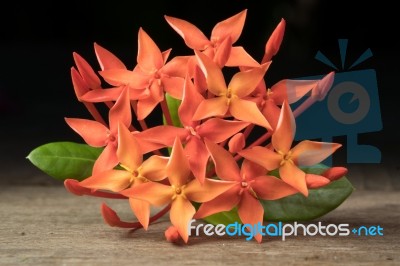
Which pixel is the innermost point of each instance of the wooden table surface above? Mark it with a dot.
(45, 225)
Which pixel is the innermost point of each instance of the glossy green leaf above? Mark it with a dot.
(63, 160)
(297, 207)
(173, 106)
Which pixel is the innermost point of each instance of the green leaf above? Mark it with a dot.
(297, 207)
(173, 106)
(63, 160)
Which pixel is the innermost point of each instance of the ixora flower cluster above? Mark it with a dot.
(206, 130)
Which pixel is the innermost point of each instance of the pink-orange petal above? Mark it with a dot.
(272, 188)
(93, 133)
(231, 27)
(107, 160)
(192, 36)
(177, 66)
(80, 86)
(334, 173)
(181, 213)
(271, 112)
(141, 209)
(211, 107)
(167, 138)
(113, 180)
(198, 156)
(149, 56)
(295, 177)
(285, 130)
(190, 101)
(251, 170)
(118, 77)
(308, 153)
(155, 193)
(291, 90)
(274, 41)
(120, 112)
(174, 86)
(225, 166)
(86, 72)
(128, 151)
(316, 181)
(214, 76)
(107, 60)
(178, 169)
(239, 57)
(250, 211)
(207, 191)
(223, 52)
(154, 168)
(244, 82)
(146, 106)
(265, 157)
(224, 202)
(218, 130)
(237, 143)
(102, 95)
(248, 111)
(165, 54)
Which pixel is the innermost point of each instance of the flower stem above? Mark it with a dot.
(166, 113)
(94, 112)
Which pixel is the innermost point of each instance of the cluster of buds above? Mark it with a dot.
(202, 152)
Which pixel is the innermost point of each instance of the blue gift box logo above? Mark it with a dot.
(350, 108)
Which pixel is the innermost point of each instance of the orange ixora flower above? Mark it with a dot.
(288, 159)
(182, 190)
(251, 184)
(135, 172)
(230, 98)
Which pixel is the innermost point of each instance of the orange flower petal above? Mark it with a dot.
(178, 169)
(154, 168)
(272, 188)
(107, 160)
(291, 90)
(192, 36)
(335, 173)
(128, 152)
(316, 181)
(250, 211)
(149, 56)
(198, 156)
(271, 112)
(231, 27)
(86, 72)
(93, 133)
(292, 175)
(120, 112)
(244, 83)
(119, 77)
(274, 41)
(112, 218)
(141, 209)
(226, 167)
(265, 157)
(237, 143)
(167, 138)
(248, 111)
(107, 60)
(283, 135)
(214, 76)
(181, 213)
(114, 180)
(174, 86)
(308, 153)
(251, 170)
(80, 86)
(207, 191)
(239, 57)
(102, 95)
(190, 101)
(145, 107)
(218, 130)
(177, 67)
(155, 193)
(223, 52)
(224, 202)
(211, 107)
(165, 55)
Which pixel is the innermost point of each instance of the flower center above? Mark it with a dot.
(286, 157)
(178, 190)
(244, 184)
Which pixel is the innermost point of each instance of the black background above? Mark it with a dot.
(38, 38)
